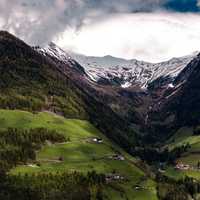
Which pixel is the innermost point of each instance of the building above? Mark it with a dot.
(118, 157)
(181, 166)
(97, 140)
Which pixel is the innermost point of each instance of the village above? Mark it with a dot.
(183, 167)
(114, 177)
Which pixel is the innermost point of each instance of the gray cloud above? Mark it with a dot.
(40, 21)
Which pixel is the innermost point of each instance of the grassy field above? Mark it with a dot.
(81, 154)
(177, 174)
(183, 136)
(191, 157)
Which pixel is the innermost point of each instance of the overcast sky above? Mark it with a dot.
(150, 30)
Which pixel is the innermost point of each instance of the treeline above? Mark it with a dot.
(62, 186)
(18, 146)
(154, 155)
(16, 101)
(33, 82)
(196, 130)
(183, 189)
(35, 101)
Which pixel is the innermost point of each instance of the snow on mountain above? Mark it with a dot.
(121, 72)
(55, 51)
(131, 72)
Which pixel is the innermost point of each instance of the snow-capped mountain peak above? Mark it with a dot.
(130, 72)
(118, 71)
(53, 50)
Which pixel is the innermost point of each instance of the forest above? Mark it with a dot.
(19, 147)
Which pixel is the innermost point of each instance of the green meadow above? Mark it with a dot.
(81, 154)
(191, 157)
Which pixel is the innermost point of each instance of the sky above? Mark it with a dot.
(149, 30)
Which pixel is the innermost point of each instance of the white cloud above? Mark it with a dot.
(151, 37)
(52, 17)
(102, 28)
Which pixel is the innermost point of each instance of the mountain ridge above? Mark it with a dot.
(31, 81)
(109, 70)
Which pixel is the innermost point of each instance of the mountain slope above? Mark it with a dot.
(127, 73)
(31, 81)
(109, 70)
(128, 87)
(177, 106)
(49, 82)
(121, 82)
(46, 86)
(80, 154)
(43, 84)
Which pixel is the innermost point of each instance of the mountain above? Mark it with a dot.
(66, 112)
(82, 154)
(110, 70)
(129, 87)
(51, 121)
(127, 73)
(34, 82)
(176, 106)
(170, 123)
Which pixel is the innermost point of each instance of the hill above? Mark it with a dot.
(81, 153)
(33, 82)
(30, 83)
(189, 160)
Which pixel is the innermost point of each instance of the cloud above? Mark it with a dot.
(41, 21)
(38, 22)
(151, 37)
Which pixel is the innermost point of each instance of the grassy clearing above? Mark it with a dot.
(80, 154)
(177, 174)
(182, 137)
(147, 191)
(191, 159)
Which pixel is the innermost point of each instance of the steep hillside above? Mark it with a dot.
(81, 153)
(31, 81)
(113, 71)
(141, 93)
(189, 100)
(122, 101)
(177, 106)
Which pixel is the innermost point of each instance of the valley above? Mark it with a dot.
(80, 154)
(106, 126)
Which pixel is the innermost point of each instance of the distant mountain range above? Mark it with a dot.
(110, 70)
(146, 94)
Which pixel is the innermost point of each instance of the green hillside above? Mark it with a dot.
(80, 153)
(32, 82)
(191, 157)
